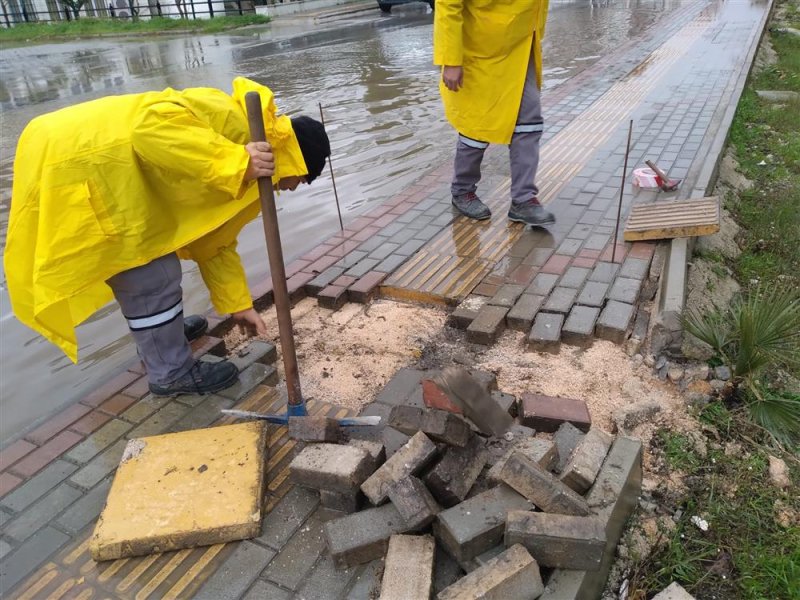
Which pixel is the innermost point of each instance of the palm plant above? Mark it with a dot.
(757, 333)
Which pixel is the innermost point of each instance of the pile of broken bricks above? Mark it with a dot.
(475, 503)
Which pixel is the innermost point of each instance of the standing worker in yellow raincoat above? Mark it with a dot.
(490, 52)
(109, 194)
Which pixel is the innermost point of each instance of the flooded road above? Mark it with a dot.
(374, 77)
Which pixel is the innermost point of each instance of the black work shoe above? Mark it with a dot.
(531, 213)
(202, 378)
(471, 206)
(194, 326)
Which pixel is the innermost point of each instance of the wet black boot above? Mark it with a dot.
(202, 378)
(470, 205)
(531, 213)
(194, 326)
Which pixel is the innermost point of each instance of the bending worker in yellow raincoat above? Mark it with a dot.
(490, 52)
(109, 194)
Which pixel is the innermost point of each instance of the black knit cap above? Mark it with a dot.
(314, 144)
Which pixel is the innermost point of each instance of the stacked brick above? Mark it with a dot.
(462, 509)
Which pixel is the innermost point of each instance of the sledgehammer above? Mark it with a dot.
(667, 184)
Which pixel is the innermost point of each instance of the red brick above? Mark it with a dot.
(620, 255)
(91, 422)
(546, 413)
(332, 296)
(436, 398)
(586, 253)
(338, 251)
(58, 423)
(206, 344)
(138, 368)
(556, 264)
(296, 285)
(522, 275)
(486, 289)
(399, 210)
(8, 482)
(41, 457)
(108, 389)
(380, 211)
(318, 266)
(296, 266)
(318, 252)
(117, 404)
(384, 220)
(642, 250)
(139, 389)
(262, 293)
(588, 263)
(365, 288)
(14, 452)
(344, 281)
(366, 233)
(360, 223)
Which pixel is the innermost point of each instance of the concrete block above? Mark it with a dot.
(363, 536)
(521, 315)
(561, 300)
(463, 389)
(439, 425)
(507, 402)
(579, 327)
(332, 297)
(409, 567)
(541, 488)
(582, 469)
(488, 325)
(546, 413)
(614, 321)
(393, 440)
(400, 387)
(507, 295)
(409, 460)
(232, 578)
(314, 429)
(466, 312)
(376, 451)
(673, 591)
(346, 502)
(559, 541)
(183, 490)
(604, 272)
(512, 574)
(542, 284)
(254, 351)
(566, 440)
(545, 336)
(542, 452)
(367, 582)
(330, 467)
(414, 502)
(627, 417)
(454, 475)
(593, 294)
(574, 277)
(464, 536)
(625, 290)
(446, 571)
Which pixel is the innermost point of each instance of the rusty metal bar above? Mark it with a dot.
(333, 179)
(622, 192)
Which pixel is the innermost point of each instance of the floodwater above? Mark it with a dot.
(374, 77)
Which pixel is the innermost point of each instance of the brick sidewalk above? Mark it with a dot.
(675, 81)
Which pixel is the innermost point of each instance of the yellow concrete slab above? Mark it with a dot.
(182, 490)
(673, 219)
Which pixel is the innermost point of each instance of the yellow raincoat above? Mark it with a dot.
(493, 41)
(112, 184)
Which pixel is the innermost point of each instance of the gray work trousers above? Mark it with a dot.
(152, 302)
(524, 149)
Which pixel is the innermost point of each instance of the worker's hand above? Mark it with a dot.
(453, 78)
(249, 320)
(262, 163)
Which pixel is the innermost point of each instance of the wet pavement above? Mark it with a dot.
(372, 73)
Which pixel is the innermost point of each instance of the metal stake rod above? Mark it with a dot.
(333, 179)
(269, 215)
(622, 191)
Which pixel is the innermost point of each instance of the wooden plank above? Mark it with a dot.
(674, 219)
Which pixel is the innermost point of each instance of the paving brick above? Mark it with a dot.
(542, 452)
(393, 440)
(439, 425)
(409, 567)
(541, 488)
(256, 351)
(109, 388)
(545, 335)
(673, 591)
(322, 280)
(326, 580)
(507, 295)
(521, 315)
(139, 388)
(366, 288)
(446, 570)
(507, 402)
(161, 421)
(296, 286)
(261, 590)
(36, 487)
(566, 440)
(522, 275)
(486, 289)
(287, 516)
(559, 541)
(614, 321)
(252, 376)
(584, 464)
(39, 514)
(512, 574)
(44, 455)
(487, 326)
(234, 576)
(401, 386)
(585, 263)
(538, 257)
(454, 475)
(14, 452)
(625, 290)
(86, 510)
(574, 277)
(391, 264)
(345, 502)
(202, 415)
(144, 408)
(556, 264)
(42, 434)
(634, 268)
(434, 397)
(290, 567)
(409, 460)
(8, 482)
(5, 549)
(414, 502)
(99, 467)
(465, 537)
(98, 441)
(471, 390)
(27, 558)
(367, 582)
(467, 311)
(375, 450)
(569, 247)
(579, 327)
(629, 416)
(642, 250)
(90, 422)
(542, 284)
(593, 294)
(331, 467)
(560, 300)
(314, 429)
(546, 413)
(362, 536)
(604, 272)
